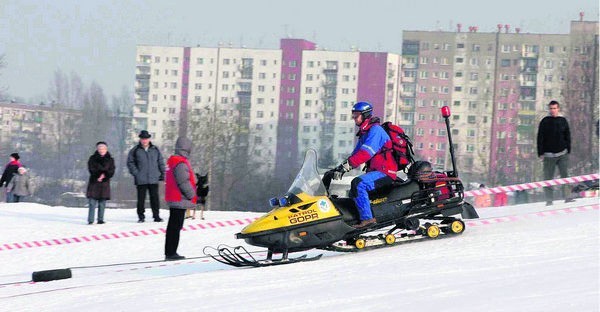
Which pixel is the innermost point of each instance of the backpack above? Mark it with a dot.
(401, 145)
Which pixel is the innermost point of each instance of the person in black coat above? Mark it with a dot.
(102, 167)
(554, 146)
(10, 170)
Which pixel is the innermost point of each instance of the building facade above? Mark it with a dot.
(280, 102)
(498, 86)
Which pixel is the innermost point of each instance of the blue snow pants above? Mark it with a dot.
(360, 187)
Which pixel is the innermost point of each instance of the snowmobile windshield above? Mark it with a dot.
(308, 180)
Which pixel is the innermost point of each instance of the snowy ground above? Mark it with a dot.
(517, 258)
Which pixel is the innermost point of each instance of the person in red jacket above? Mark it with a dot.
(180, 194)
(9, 171)
(374, 147)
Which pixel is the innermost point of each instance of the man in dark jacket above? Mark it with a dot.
(180, 194)
(147, 166)
(9, 171)
(554, 146)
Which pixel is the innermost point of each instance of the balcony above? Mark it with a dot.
(142, 89)
(408, 94)
(142, 76)
(329, 83)
(526, 113)
(330, 69)
(409, 79)
(529, 54)
(527, 98)
(528, 83)
(409, 66)
(529, 69)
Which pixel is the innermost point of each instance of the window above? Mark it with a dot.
(474, 76)
(424, 60)
(460, 45)
(260, 114)
(309, 77)
(198, 73)
(459, 60)
(292, 64)
(471, 119)
(226, 61)
(505, 63)
(310, 64)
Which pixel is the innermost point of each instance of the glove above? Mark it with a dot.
(341, 169)
(344, 167)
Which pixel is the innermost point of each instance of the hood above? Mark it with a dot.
(183, 147)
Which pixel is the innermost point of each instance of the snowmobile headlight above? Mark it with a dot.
(274, 202)
(283, 201)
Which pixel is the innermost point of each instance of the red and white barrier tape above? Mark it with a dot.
(532, 185)
(99, 237)
(546, 213)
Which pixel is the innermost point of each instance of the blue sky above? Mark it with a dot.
(97, 39)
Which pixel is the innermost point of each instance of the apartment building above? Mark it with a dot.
(207, 92)
(283, 101)
(498, 86)
(24, 127)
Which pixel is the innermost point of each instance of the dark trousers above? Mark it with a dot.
(176, 217)
(550, 165)
(141, 200)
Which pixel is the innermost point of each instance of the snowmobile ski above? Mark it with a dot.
(240, 257)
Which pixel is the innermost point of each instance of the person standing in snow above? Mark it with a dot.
(180, 194)
(554, 147)
(9, 171)
(19, 185)
(101, 166)
(147, 166)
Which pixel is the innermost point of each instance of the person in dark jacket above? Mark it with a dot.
(9, 171)
(101, 167)
(374, 147)
(180, 194)
(554, 147)
(147, 166)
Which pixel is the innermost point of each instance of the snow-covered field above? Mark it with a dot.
(516, 258)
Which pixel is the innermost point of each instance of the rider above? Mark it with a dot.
(374, 148)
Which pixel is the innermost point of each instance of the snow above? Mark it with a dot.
(539, 259)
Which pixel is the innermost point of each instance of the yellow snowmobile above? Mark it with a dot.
(308, 217)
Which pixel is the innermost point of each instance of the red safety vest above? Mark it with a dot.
(172, 192)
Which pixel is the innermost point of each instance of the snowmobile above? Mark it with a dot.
(308, 217)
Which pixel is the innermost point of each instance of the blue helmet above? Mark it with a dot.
(365, 109)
